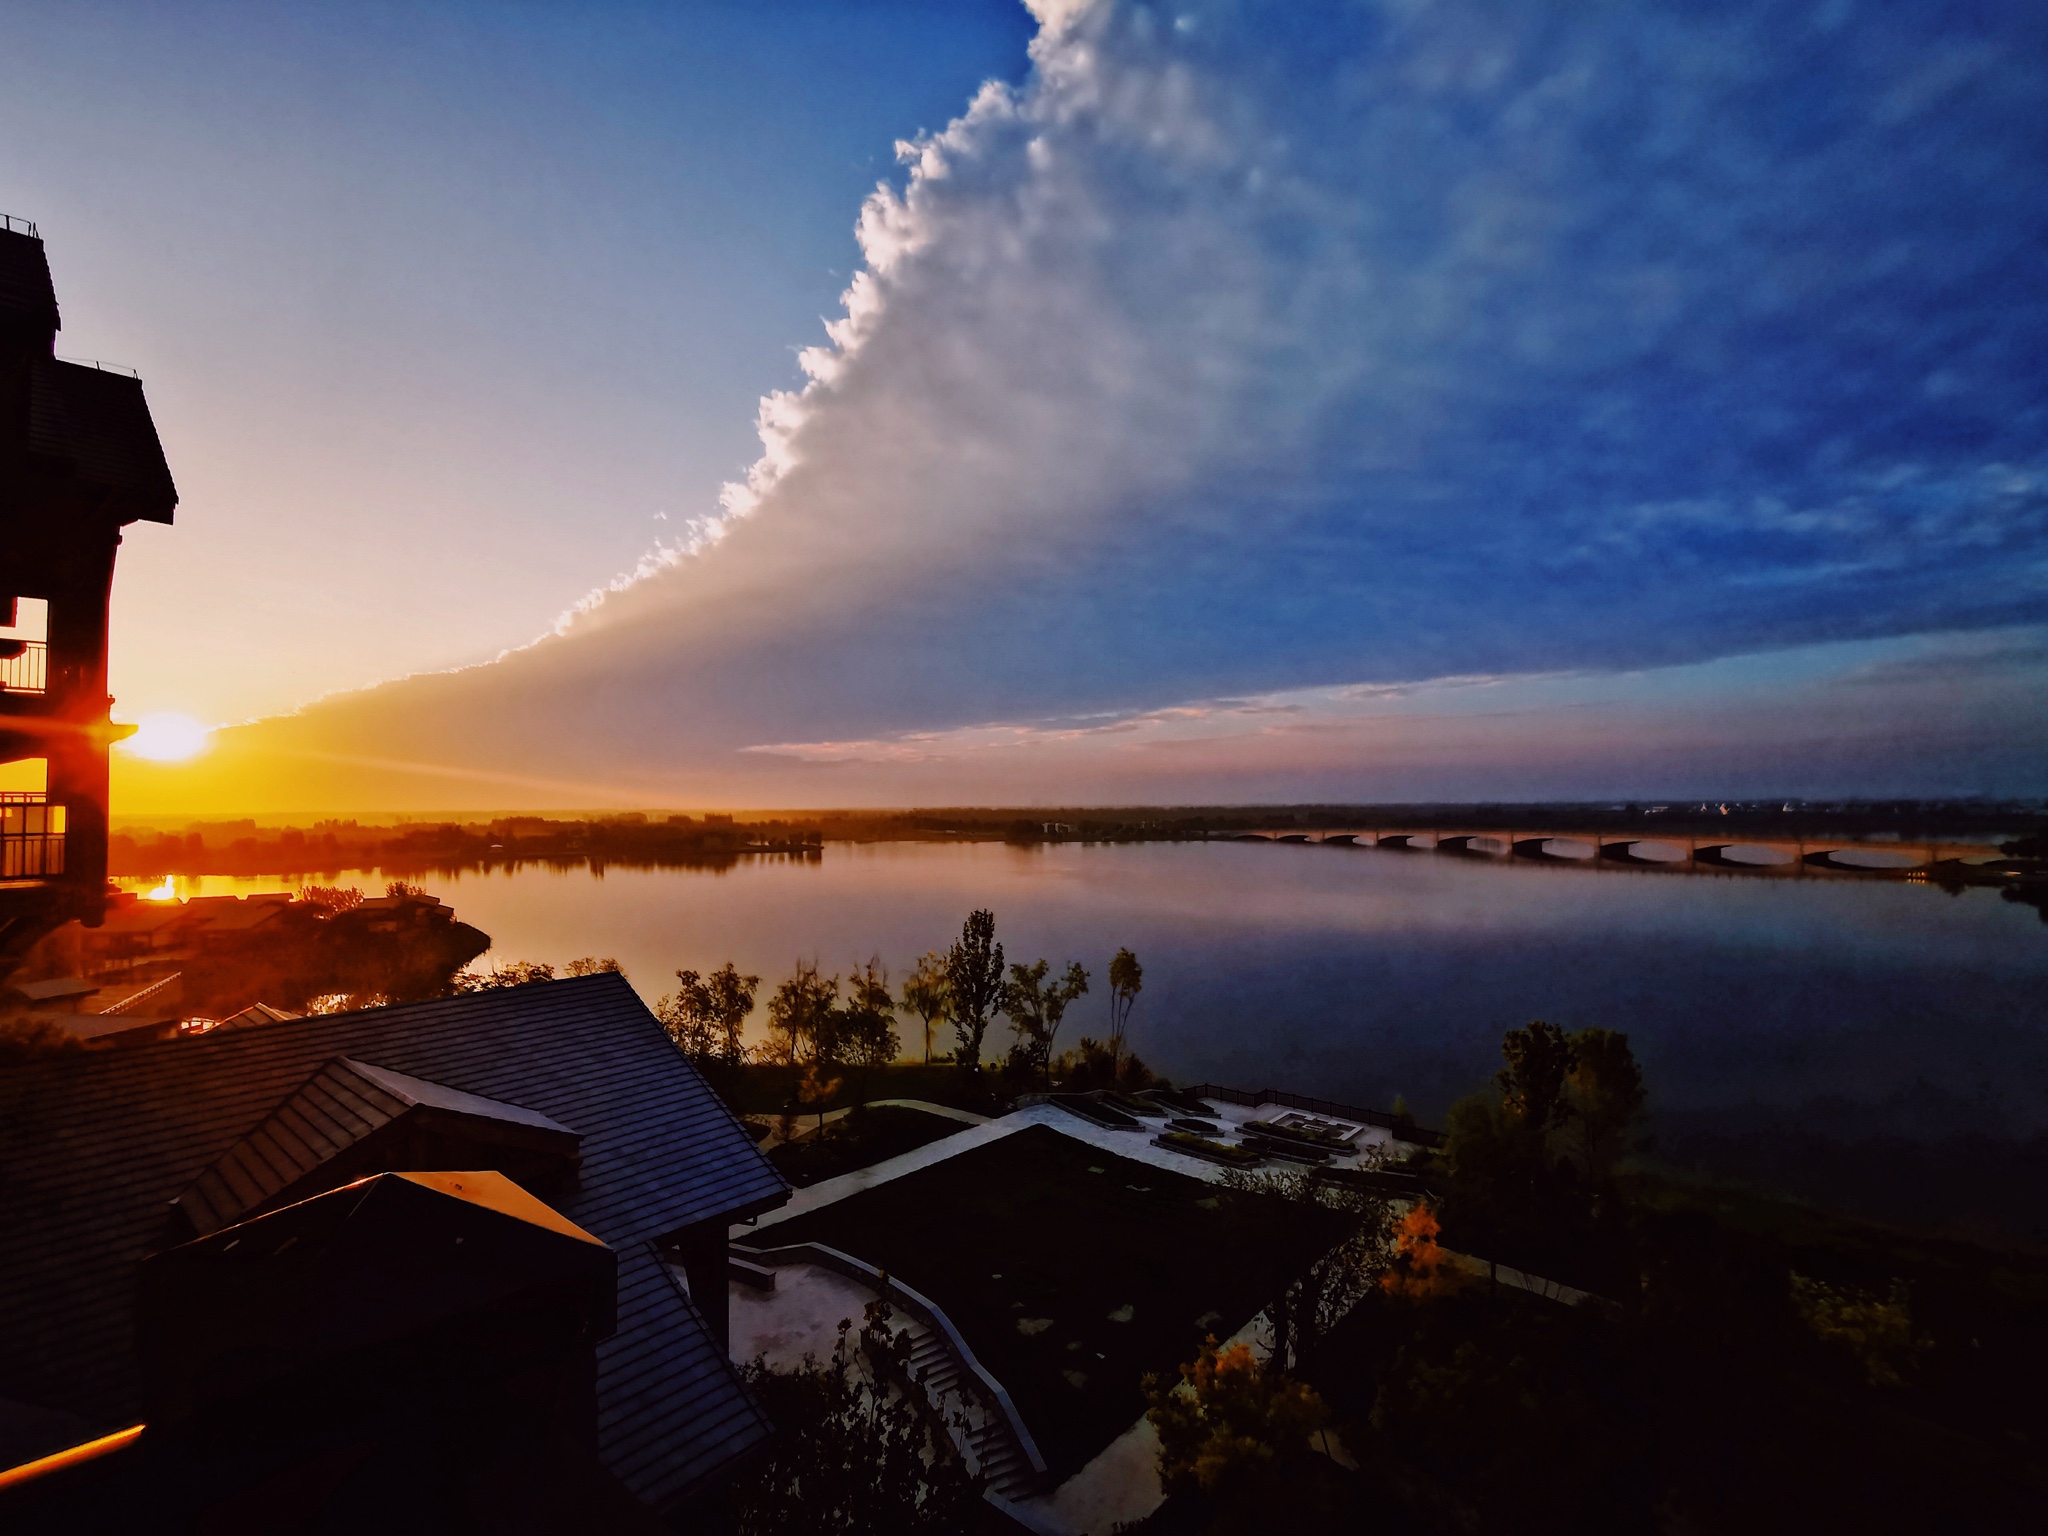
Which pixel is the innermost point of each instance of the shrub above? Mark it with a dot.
(1231, 1424)
(855, 1455)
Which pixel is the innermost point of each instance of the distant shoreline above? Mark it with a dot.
(1858, 843)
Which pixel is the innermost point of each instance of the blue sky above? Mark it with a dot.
(439, 305)
(1207, 373)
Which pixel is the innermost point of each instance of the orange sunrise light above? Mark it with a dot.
(168, 738)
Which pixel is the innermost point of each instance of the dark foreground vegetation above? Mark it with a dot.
(1693, 1356)
(1073, 1272)
(1741, 1364)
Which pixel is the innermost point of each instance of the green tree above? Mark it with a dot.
(1607, 1099)
(855, 1456)
(1231, 1428)
(1035, 1008)
(804, 1018)
(1314, 1249)
(868, 1024)
(1534, 1415)
(974, 979)
(592, 965)
(708, 1014)
(1540, 1060)
(514, 973)
(1126, 978)
(1529, 1167)
(1873, 1328)
(926, 996)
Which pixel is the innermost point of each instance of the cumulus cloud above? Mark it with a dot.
(1353, 343)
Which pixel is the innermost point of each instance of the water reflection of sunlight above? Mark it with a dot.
(168, 891)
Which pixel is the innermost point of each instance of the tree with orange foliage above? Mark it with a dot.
(1230, 1423)
(1421, 1270)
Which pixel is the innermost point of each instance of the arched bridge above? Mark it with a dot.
(1593, 849)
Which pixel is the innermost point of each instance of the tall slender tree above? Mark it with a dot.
(1607, 1097)
(927, 996)
(868, 1024)
(1126, 979)
(1035, 1008)
(804, 1018)
(974, 977)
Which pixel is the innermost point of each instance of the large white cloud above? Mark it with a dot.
(1248, 348)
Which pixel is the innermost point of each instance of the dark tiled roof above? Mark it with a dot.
(95, 426)
(339, 1107)
(669, 1410)
(93, 1149)
(26, 297)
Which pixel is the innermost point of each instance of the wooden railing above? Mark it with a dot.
(146, 996)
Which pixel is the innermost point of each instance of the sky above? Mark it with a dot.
(798, 405)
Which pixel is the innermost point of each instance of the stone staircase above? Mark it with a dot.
(975, 1410)
(983, 1435)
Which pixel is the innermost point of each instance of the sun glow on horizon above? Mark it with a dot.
(168, 738)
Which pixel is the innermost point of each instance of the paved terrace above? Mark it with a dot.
(800, 1316)
(1369, 1145)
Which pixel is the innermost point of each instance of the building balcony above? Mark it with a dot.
(31, 838)
(24, 666)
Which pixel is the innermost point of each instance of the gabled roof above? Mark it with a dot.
(255, 1016)
(56, 987)
(236, 919)
(491, 1190)
(379, 1261)
(334, 1113)
(93, 1149)
(94, 426)
(140, 917)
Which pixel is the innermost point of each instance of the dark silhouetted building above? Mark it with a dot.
(79, 461)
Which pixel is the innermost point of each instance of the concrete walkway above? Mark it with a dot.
(943, 1111)
(830, 1191)
(810, 1124)
(800, 1317)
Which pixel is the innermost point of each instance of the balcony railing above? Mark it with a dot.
(31, 838)
(27, 672)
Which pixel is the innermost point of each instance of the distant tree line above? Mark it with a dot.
(825, 1023)
(631, 840)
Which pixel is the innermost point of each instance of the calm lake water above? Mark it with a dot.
(1356, 974)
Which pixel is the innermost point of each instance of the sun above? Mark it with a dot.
(168, 738)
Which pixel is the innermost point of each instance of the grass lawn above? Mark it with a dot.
(864, 1138)
(1070, 1271)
